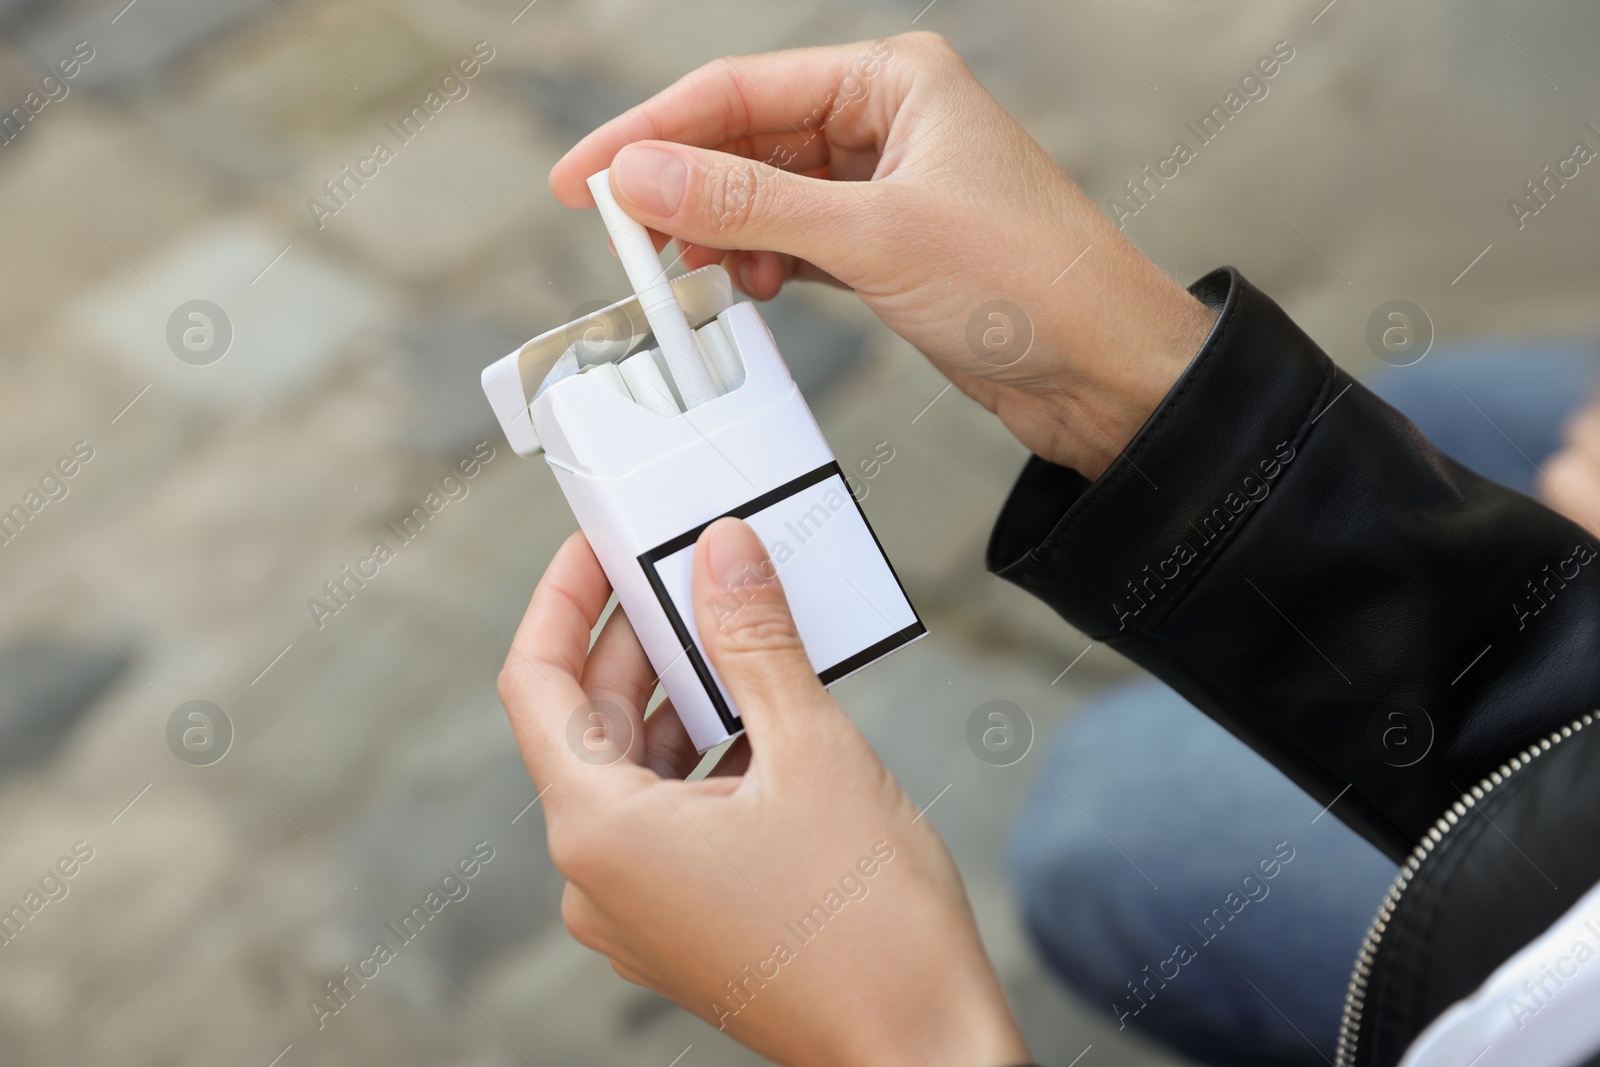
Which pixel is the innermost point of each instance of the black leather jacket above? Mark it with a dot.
(1412, 644)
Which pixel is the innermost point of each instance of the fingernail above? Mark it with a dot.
(734, 552)
(747, 274)
(653, 179)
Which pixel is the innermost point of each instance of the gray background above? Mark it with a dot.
(372, 753)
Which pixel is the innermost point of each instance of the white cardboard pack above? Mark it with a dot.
(643, 487)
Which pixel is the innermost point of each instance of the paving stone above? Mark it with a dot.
(12, 10)
(570, 102)
(46, 687)
(443, 357)
(458, 186)
(262, 101)
(636, 42)
(137, 43)
(86, 196)
(513, 286)
(290, 316)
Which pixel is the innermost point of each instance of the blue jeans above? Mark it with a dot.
(1142, 855)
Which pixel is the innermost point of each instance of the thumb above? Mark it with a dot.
(748, 632)
(725, 201)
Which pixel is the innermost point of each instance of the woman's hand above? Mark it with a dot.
(793, 898)
(886, 167)
(1571, 483)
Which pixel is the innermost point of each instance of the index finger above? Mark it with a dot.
(539, 683)
(725, 100)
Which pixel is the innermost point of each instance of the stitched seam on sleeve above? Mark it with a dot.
(1041, 554)
(1221, 545)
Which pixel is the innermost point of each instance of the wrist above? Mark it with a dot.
(990, 1041)
(963, 1019)
(986, 1033)
(1124, 337)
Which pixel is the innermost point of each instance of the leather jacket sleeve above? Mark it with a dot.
(1293, 557)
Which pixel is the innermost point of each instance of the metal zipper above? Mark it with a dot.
(1356, 997)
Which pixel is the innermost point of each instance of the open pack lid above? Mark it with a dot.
(513, 381)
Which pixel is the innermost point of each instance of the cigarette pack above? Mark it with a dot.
(643, 486)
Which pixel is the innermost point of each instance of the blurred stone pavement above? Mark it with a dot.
(371, 753)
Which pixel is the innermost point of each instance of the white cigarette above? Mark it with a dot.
(608, 374)
(720, 356)
(647, 385)
(661, 307)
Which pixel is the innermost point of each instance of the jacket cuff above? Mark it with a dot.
(1193, 476)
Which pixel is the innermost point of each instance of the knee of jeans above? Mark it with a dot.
(1052, 860)
(1061, 927)
(1083, 921)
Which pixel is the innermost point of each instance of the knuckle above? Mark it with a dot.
(584, 835)
(932, 47)
(508, 684)
(732, 190)
(761, 627)
(570, 851)
(578, 915)
(669, 752)
(630, 973)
